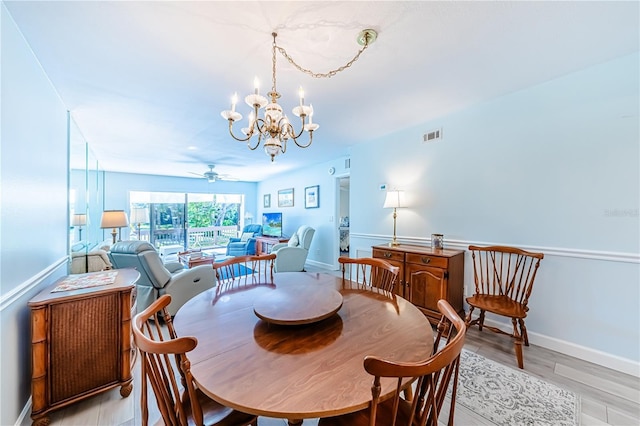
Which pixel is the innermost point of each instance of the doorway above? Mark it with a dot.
(343, 214)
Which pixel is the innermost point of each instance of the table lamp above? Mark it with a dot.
(79, 220)
(139, 215)
(394, 199)
(114, 219)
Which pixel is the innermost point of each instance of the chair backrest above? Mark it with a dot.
(255, 228)
(144, 258)
(505, 271)
(305, 235)
(369, 271)
(248, 268)
(161, 352)
(434, 375)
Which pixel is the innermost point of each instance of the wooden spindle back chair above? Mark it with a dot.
(249, 268)
(503, 278)
(434, 376)
(162, 352)
(369, 271)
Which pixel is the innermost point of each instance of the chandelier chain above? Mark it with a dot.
(273, 63)
(318, 74)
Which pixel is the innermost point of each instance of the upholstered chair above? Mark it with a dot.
(291, 256)
(246, 244)
(157, 278)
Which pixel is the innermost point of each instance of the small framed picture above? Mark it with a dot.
(312, 197)
(285, 197)
(266, 200)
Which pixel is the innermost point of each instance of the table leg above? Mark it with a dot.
(295, 422)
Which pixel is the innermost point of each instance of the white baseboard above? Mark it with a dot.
(322, 265)
(24, 414)
(584, 353)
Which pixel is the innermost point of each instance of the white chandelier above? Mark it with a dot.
(275, 127)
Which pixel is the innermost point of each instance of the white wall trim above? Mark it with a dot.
(321, 265)
(595, 356)
(19, 291)
(24, 414)
(609, 256)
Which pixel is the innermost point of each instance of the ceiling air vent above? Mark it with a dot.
(433, 135)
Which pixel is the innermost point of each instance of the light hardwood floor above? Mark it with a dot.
(607, 397)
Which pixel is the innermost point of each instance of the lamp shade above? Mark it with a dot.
(79, 219)
(139, 215)
(114, 219)
(394, 199)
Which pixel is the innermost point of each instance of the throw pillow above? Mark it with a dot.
(293, 241)
(245, 236)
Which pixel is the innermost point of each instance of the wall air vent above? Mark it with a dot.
(433, 135)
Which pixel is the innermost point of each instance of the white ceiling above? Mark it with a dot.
(145, 81)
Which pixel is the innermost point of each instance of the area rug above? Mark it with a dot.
(506, 396)
(238, 271)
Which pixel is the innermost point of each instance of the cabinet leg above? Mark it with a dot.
(125, 390)
(41, 421)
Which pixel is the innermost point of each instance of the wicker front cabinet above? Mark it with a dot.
(81, 343)
(427, 275)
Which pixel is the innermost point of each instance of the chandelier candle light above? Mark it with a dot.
(275, 127)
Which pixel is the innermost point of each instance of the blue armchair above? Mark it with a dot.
(245, 245)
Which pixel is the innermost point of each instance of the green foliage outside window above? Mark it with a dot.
(204, 214)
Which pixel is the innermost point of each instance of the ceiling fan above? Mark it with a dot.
(212, 176)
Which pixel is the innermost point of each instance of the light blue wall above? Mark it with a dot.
(555, 168)
(325, 248)
(33, 202)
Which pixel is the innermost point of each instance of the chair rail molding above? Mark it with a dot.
(19, 291)
(610, 256)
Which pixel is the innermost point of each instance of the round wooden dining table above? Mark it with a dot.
(298, 371)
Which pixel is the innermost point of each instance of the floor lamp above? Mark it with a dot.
(394, 200)
(139, 215)
(114, 219)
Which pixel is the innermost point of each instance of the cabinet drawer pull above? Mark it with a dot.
(426, 260)
(387, 255)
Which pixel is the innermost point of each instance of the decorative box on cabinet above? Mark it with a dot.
(81, 343)
(427, 275)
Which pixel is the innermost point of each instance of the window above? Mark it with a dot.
(190, 220)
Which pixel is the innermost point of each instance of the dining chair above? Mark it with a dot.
(161, 350)
(503, 278)
(370, 272)
(434, 376)
(254, 267)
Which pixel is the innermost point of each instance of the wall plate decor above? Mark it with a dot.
(312, 197)
(285, 197)
(266, 200)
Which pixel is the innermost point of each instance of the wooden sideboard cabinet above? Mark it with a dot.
(81, 343)
(427, 275)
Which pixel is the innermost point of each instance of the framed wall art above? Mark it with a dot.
(312, 197)
(266, 200)
(285, 197)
